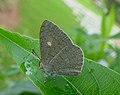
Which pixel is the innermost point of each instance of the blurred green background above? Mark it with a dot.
(26, 16)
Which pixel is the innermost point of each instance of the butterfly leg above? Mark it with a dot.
(40, 65)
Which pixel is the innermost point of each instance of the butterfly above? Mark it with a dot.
(59, 55)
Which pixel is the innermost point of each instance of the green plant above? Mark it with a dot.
(30, 14)
(94, 78)
(106, 25)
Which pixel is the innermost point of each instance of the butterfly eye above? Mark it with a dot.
(49, 43)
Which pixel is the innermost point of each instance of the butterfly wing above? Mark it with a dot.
(58, 54)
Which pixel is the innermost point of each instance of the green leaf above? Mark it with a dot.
(116, 36)
(20, 44)
(93, 80)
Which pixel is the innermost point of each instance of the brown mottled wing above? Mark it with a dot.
(58, 54)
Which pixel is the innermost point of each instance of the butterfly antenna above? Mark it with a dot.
(34, 53)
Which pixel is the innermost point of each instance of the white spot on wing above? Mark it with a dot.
(49, 43)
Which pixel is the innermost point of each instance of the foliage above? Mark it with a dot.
(94, 78)
(30, 14)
